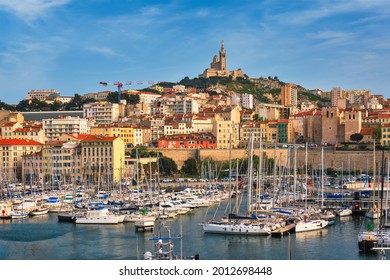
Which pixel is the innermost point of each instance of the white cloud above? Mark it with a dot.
(30, 10)
(107, 51)
(332, 37)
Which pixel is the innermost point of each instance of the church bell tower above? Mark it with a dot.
(222, 56)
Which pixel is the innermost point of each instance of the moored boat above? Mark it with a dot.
(98, 216)
(39, 211)
(5, 209)
(310, 224)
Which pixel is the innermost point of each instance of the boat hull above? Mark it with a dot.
(236, 229)
(304, 226)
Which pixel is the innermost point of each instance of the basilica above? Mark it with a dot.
(218, 67)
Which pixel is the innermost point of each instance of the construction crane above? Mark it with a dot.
(118, 84)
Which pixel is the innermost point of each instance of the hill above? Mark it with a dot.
(265, 90)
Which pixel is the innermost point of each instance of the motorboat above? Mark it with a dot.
(344, 212)
(310, 224)
(39, 211)
(98, 216)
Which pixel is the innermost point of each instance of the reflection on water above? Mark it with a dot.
(44, 238)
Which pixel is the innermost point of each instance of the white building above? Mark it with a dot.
(247, 101)
(102, 112)
(54, 128)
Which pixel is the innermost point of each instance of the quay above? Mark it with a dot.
(280, 232)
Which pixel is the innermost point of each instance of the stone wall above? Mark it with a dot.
(360, 161)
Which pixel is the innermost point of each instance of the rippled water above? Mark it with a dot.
(44, 238)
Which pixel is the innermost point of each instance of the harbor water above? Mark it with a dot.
(44, 238)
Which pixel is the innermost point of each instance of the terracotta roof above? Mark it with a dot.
(367, 131)
(9, 124)
(98, 138)
(19, 142)
(384, 116)
(27, 129)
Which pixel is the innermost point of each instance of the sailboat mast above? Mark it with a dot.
(322, 177)
(230, 174)
(382, 187)
(295, 172)
(306, 177)
(250, 169)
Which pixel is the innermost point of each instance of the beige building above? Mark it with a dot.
(11, 153)
(130, 134)
(353, 123)
(272, 111)
(289, 95)
(258, 131)
(202, 124)
(61, 163)
(222, 129)
(35, 133)
(43, 94)
(104, 156)
(335, 95)
(332, 130)
(7, 129)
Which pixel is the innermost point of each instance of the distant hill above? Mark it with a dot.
(265, 90)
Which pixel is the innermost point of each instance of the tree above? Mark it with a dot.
(112, 97)
(131, 98)
(356, 137)
(190, 167)
(167, 166)
(377, 134)
(5, 106)
(78, 102)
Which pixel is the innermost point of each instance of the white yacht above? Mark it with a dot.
(309, 225)
(98, 216)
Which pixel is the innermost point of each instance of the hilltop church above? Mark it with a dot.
(218, 67)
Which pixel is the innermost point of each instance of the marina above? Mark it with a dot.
(45, 238)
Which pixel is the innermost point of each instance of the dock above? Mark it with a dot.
(280, 232)
(144, 225)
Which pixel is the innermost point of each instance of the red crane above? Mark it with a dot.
(118, 84)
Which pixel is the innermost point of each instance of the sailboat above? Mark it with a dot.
(243, 226)
(376, 237)
(343, 211)
(311, 223)
(373, 212)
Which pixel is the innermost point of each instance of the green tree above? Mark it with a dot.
(356, 137)
(112, 97)
(5, 106)
(167, 166)
(377, 134)
(56, 106)
(78, 102)
(190, 167)
(131, 98)
(142, 152)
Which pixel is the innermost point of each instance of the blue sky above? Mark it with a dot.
(71, 45)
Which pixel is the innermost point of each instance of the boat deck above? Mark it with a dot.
(280, 232)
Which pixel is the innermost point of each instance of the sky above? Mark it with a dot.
(71, 45)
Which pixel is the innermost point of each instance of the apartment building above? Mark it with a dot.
(11, 153)
(54, 128)
(102, 155)
(102, 112)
